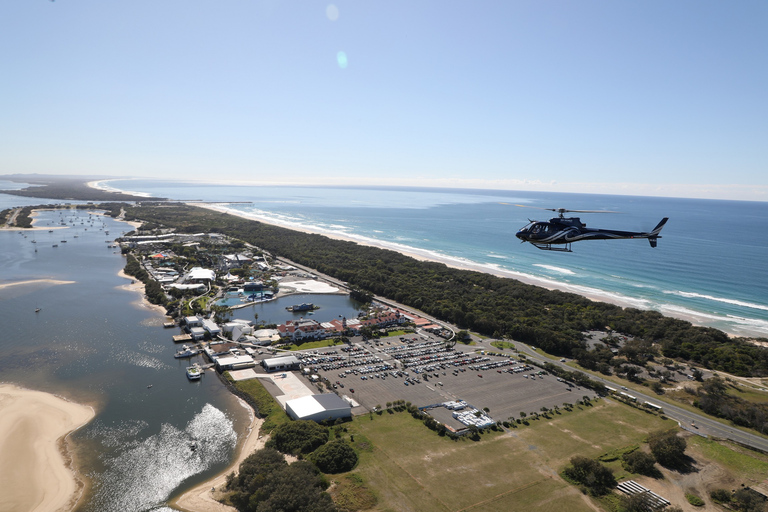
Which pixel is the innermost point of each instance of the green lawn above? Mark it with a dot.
(412, 468)
(316, 344)
(268, 407)
(743, 462)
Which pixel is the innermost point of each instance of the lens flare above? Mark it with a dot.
(332, 12)
(341, 58)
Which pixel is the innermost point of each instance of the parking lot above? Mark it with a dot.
(423, 371)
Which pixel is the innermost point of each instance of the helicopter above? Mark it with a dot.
(561, 231)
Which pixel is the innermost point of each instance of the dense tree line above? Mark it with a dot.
(152, 289)
(491, 305)
(265, 482)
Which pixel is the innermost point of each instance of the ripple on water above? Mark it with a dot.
(144, 474)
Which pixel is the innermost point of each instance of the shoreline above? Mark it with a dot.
(39, 469)
(549, 284)
(138, 287)
(201, 497)
(701, 319)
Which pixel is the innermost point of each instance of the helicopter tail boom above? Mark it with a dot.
(653, 236)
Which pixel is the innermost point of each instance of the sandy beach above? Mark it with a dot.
(201, 497)
(35, 466)
(137, 286)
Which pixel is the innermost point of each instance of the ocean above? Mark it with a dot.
(709, 266)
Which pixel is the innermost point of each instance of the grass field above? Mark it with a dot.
(746, 463)
(411, 468)
(331, 342)
(268, 407)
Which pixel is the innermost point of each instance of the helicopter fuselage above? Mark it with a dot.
(561, 231)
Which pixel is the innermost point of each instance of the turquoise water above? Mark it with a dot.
(709, 265)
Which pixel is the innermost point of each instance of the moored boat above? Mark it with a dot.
(186, 351)
(194, 372)
(306, 306)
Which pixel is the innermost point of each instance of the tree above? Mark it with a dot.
(747, 500)
(668, 448)
(590, 473)
(301, 436)
(267, 483)
(335, 457)
(640, 462)
(637, 502)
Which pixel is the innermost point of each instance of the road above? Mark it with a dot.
(703, 424)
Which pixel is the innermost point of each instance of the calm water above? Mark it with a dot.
(95, 343)
(709, 266)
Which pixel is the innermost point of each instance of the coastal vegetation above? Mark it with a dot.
(152, 289)
(552, 320)
(265, 482)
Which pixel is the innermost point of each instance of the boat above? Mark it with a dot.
(186, 351)
(63, 241)
(306, 306)
(55, 245)
(194, 372)
(37, 310)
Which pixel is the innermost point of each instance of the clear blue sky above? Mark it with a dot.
(653, 97)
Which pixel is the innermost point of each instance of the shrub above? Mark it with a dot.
(595, 476)
(720, 495)
(694, 500)
(334, 457)
(298, 437)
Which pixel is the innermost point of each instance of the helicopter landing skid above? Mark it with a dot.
(558, 248)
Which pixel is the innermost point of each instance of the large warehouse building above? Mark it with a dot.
(328, 406)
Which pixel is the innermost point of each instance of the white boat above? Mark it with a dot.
(186, 351)
(194, 372)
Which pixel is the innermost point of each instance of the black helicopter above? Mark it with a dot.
(560, 232)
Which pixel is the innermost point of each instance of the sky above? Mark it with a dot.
(627, 97)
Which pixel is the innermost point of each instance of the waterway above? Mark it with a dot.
(95, 342)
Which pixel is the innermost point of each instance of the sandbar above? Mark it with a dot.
(35, 466)
(35, 281)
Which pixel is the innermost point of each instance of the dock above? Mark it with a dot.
(181, 338)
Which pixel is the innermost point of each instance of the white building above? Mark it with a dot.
(283, 363)
(324, 407)
(210, 326)
(200, 275)
(193, 321)
(234, 362)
